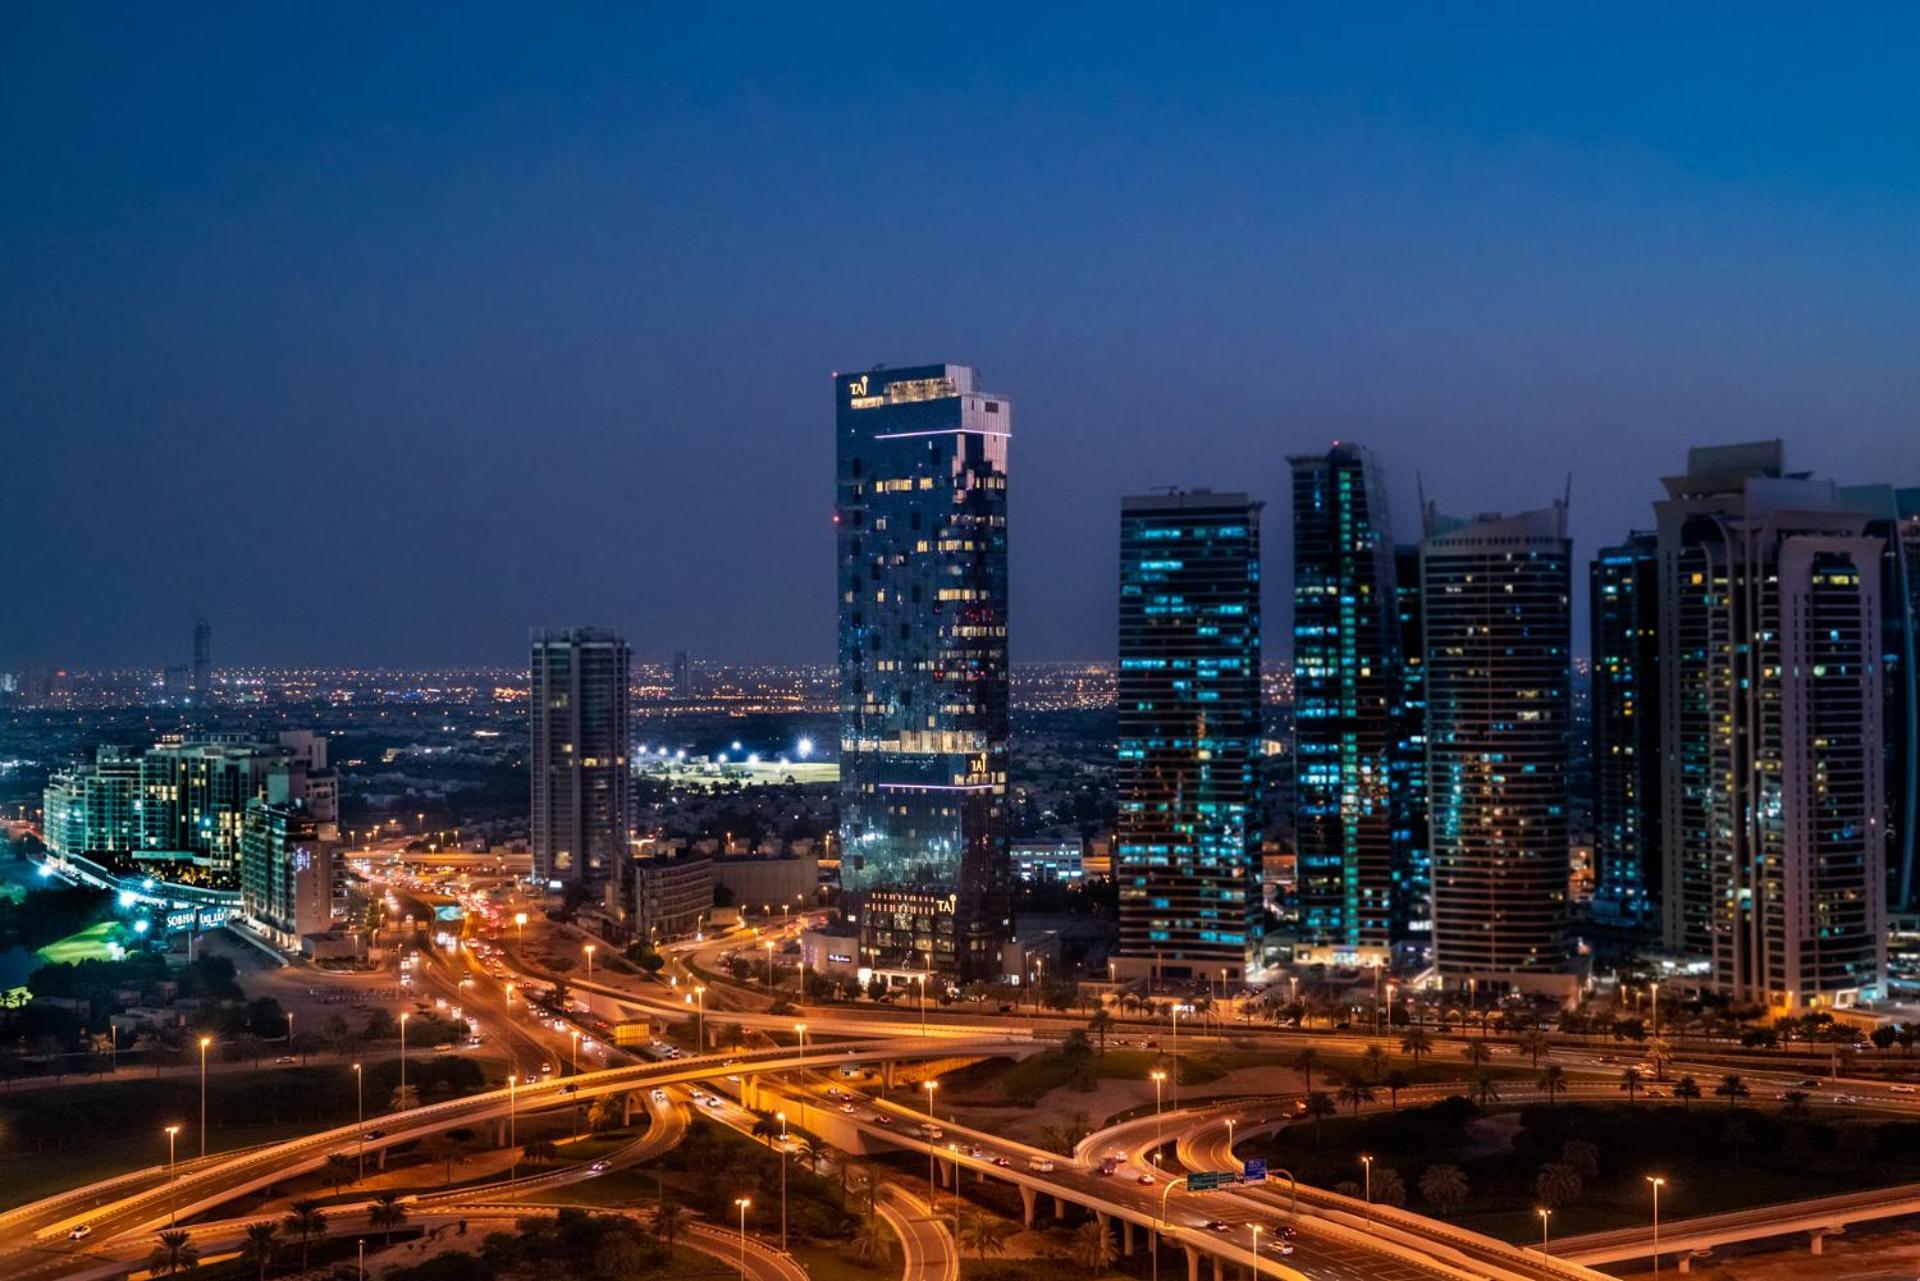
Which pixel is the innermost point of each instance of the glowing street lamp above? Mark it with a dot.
(205, 1042)
(782, 1118)
(743, 1203)
(360, 1115)
(1545, 1216)
(1657, 1183)
(519, 926)
(1159, 1135)
(589, 950)
(800, 1029)
(403, 1054)
(1367, 1161)
(173, 1132)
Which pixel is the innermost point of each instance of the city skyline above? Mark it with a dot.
(1185, 256)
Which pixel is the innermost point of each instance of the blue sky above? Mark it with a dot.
(385, 333)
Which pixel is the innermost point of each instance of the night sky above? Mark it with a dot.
(383, 333)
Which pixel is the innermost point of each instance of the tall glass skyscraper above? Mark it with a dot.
(1498, 597)
(1776, 771)
(1413, 855)
(579, 766)
(1189, 698)
(1624, 618)
(921, 510)
(1346, 689)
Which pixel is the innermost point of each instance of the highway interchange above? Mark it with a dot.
(1325, 1236)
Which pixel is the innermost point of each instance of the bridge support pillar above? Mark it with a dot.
(500, 1133)
(1817, 1239)
(626, 1109)
(886, 1076)
(1059, 1206)
(1686, 1263)
(1219, 1269)
(1193, 1263)
(749, 1090)
(1027, 1197)
(1126, 1236)
(383, 1158)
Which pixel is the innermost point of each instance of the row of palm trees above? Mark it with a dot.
(265, 1242)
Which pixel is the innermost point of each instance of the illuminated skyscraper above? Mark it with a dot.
(578, 762)
(921, 513)
(1497, 597)
(1189, 698)
(1624, 594)
(1413, 855)
(1346, 691)
(1775, 771)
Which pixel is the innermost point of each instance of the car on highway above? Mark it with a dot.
(284, 1058)
(376, 1134)
(1906, 1089)
(659, 1095)
(847, 1108)
(713, 1101)
(881, 1118)
(1145, 1180)
(80, 1232)
(1219, 1225)
(600, 1167)
(1003, 1163)
(1040, 1164)
(1282, 1247)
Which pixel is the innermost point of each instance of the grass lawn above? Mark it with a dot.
(90, 944)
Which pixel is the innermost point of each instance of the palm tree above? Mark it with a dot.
(304, 1224)
(1660, 1054)
(1553, 1080)
(1099, 1025)
(1736, 1134)
(1374, 1061)
(1630, 1082)
(1732, 1088)
(386, 1214)
(175, 1254)
(1796, 1101)
(872, 1242)
(668, 1219)
(765, 1127)
(1535, 1043)
(985, 1233)
(262, 1246)
(1318, 1105)
(1478, 1053)
(1355, 1090)
(1686, 1089)
(405, 1098)
(1558, 1184)
(1486, 1089)
(1583, 1156)
(1304, 1063)
(542, 1152)
(1416, 1042)
(341, 1170)
(1093, 1247)
(1396, 1081)
(1444, 1187)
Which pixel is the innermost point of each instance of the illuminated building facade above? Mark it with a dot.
(1497, 594)
(581, 784)
(286, 871)
(921, 522)
(1775, 772)
(1893, 516)
(178, 810)
(1413, 855)
(1346, 688)
(1624, 617)
(1190, 756)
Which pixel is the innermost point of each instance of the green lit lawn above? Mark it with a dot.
(90, 944)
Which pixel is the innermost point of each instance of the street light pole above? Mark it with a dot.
(1159, 1132)
(1253, 1268)
(743, 1203)
(1367, 1161)
(783, 1180)
(589, 962)
(173, 1131)
(403, 1055)
(1657, 1183)
(205, 1041)
(1544, 1216)
(360, 1121)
